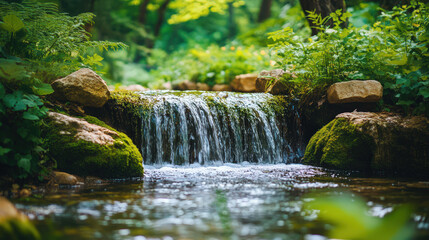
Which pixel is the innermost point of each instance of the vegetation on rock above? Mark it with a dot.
(373, 142)
(118, 159)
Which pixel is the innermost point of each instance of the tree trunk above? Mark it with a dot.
(143, 11)
(322, 7)
(232, 26)
(161, 14)
(264, 10)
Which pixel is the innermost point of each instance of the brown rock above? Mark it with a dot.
(355, 91)
(64, 178)
(203, 87)
(222, 87)
(186, 85)
(84, 87)
(83, 130)
(269, 81)
(244, 83)
(8, 210)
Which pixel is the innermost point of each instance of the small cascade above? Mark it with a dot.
(189, 127)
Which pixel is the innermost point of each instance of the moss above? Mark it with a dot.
(17, 228)
(119, 160)
(340, 145)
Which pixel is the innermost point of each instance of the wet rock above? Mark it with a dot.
(203, 87)
(244, 83)
(186, 85)
(222, 87)
(13, 224)
(84, 87)
(64, 178)
(270, 81)
(355, 91)
(87, 146)
(373, 142)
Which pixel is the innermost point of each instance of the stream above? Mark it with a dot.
(222, 201)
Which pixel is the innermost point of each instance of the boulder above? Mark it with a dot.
(270, 81)
(373, 142)
(244, 83)
(89, 147)
(84, 87)
(222, 87)
(13, 224)
(64, 178)
(355, 91)
(203, 87)
(186, 85)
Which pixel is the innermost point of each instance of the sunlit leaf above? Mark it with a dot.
(12, 23)
(43, 89)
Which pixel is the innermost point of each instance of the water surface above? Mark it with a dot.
(229, 201)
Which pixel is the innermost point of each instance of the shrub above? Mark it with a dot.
(394, 50)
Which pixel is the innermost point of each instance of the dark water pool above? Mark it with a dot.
(220, 202)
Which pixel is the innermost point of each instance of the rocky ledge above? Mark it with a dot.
(373, 142)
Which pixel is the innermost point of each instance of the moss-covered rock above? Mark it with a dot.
(377, 142)
(339, 145)
(89, 147)
(15, 225)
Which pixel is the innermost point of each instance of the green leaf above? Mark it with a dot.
(405, 102)
(30, 116)
(10, 100)
(12, 24)
(43, 89)
(20, 106)
(399, 61)
(25, 163)
(11, 70)
(3, 150)
(424, 92)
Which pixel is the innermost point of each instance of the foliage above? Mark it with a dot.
(214, 65)
(20, 114)
(394, 51)
(351, 220)
(37, 44)
(54, 43)
(190, 9)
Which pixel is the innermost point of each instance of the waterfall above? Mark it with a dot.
(205, 127)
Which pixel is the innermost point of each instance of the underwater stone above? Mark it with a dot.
(373, 142)
(84, 87)
(355, 91)
(91, 148)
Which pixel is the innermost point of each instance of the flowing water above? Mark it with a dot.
(204, 127)
(217, 166)
(231, 201)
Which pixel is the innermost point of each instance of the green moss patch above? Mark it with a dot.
(340, 145)
(118, 160)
